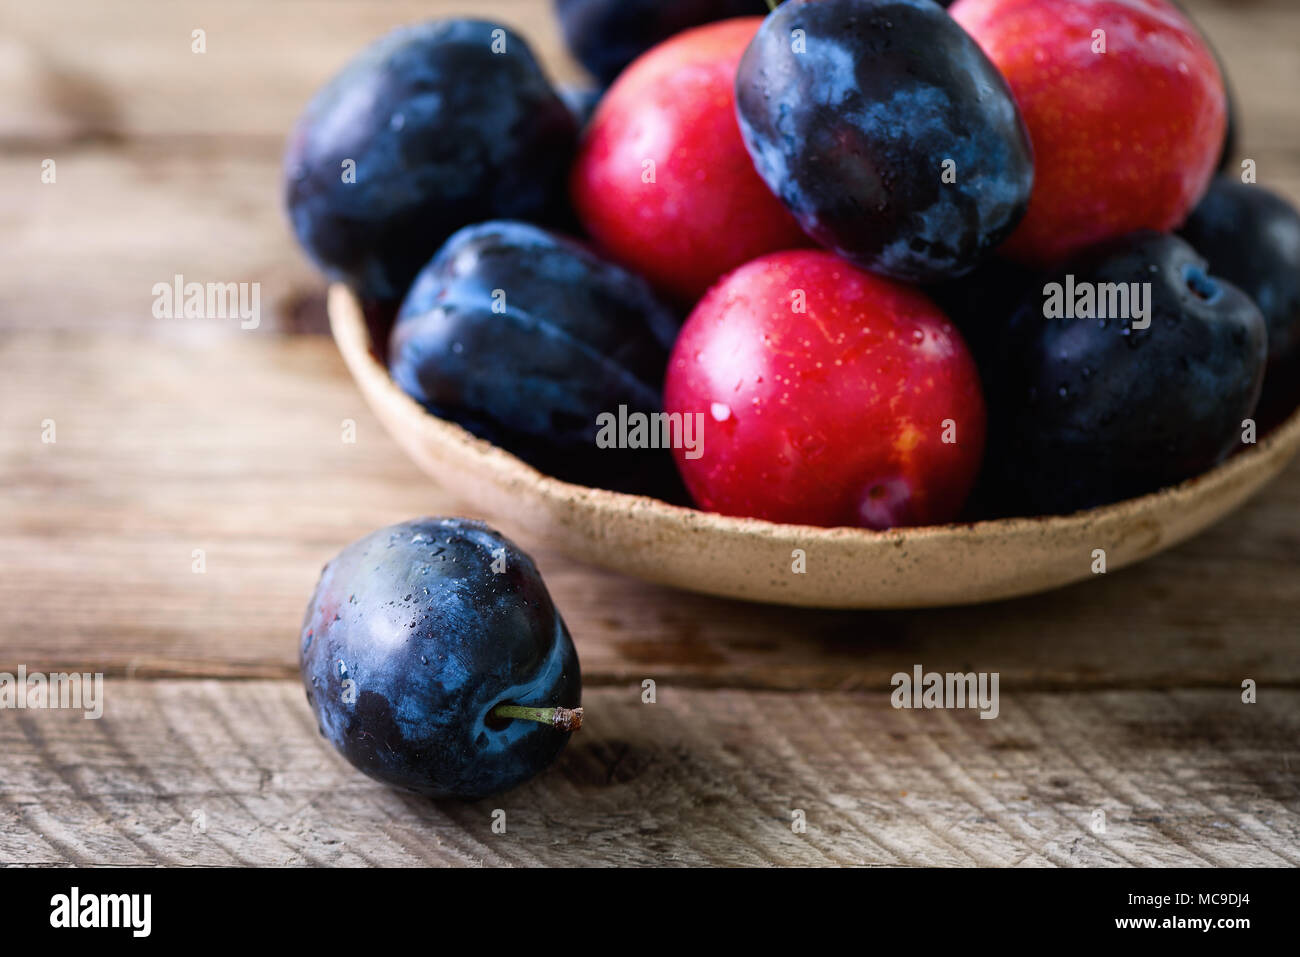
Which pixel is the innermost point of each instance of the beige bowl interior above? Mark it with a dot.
(756, 560)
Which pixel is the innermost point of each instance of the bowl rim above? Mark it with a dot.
(351, 333)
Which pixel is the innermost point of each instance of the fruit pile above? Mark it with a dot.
(435, 662)
(901, 262)
(855, 262)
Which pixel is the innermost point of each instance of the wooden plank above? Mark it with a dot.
(234, 445)
(186, 772)
(219, 436)
(157, 178)
(262, 62)
(86, 251)
(193, 164)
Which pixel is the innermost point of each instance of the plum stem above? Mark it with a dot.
(772, 4)
(562, 719)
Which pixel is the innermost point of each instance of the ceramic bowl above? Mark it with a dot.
(755, 560)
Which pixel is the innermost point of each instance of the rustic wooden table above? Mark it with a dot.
(1121, 696)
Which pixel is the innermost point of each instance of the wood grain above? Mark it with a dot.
(193, 164)
(262, 62)
(215, 773)
(163, 448)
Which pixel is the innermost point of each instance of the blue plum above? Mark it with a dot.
(524, 338)
(431, 128)
(887, 132)
(607, 35)
(416, 640)
(1090, 407)
(1251, 237)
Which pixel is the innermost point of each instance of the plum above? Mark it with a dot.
(1251, 237)
(829, 397)
(434, 660)
(1231, 133)
(432, 128)
(525, 338)
(607, 35)
(1146, 386)
(887, 132)
(1126, 109)
(663, 181)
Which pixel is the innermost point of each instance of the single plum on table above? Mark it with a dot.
(435, 661)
